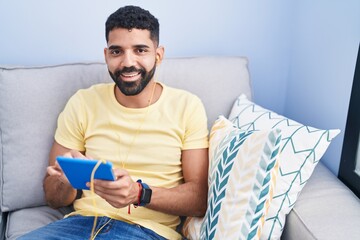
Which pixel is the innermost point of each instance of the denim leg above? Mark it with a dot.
(76, 227)
(119, 230)
(79, 227)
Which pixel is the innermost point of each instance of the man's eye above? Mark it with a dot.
(115, 52)
(141, 50)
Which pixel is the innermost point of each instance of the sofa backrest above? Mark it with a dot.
(32, 97)
(218, 81)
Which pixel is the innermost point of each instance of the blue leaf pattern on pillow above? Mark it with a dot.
(227, 157)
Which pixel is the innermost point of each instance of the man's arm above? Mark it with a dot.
(58, 191)
(188, 199)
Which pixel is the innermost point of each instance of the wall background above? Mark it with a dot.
(302, 53)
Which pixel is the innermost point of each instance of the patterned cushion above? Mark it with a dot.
(301, 149)
(241, 179)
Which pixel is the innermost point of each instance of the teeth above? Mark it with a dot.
(130, 75)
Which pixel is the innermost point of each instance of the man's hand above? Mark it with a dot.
(58, 191)
(55, 170)
(119, 193)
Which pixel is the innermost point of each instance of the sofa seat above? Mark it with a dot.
(326, 209)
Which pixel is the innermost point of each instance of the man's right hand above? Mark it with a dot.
(58, 190)
(55, 170)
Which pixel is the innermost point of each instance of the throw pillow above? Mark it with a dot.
(242, 171)
(301, 149)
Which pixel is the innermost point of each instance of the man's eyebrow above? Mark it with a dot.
(141, 46)
(112, 47)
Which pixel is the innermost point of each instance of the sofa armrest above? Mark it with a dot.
(325, 209)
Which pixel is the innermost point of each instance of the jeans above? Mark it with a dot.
(79, 227)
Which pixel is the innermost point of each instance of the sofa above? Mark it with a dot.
(32, 97)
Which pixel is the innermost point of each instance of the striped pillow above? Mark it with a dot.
(242, 172)
(301, 149)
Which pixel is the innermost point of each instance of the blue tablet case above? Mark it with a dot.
(78, 171)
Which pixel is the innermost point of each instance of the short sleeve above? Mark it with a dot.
(71, 125)
(196, 131)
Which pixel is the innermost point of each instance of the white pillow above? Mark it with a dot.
(301, 150)
(243, 168)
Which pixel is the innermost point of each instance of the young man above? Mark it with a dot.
(155, 136)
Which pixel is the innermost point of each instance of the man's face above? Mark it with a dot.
(131, 59)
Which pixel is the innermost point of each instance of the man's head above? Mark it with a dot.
(130, 17)
(133, 50)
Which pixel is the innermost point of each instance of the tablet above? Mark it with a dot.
(78, 171)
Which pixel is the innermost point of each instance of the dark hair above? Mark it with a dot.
(130, 17)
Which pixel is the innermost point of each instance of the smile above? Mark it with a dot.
(130, 76)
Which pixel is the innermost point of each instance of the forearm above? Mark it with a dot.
(58, 193)
(188, 199)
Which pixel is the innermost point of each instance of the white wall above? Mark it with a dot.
(324, 44)
(301, 53)
(49, 32)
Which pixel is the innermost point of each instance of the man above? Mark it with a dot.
(155, 136)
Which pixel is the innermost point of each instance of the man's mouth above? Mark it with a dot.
(130, 76)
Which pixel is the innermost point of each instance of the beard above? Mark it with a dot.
(136, 87)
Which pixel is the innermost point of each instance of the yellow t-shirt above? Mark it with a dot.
(150, 138)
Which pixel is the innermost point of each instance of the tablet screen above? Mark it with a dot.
(78, 171)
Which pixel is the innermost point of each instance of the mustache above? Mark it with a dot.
(128, 70)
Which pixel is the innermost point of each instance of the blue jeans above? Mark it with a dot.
(79, 227)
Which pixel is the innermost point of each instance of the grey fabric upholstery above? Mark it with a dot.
(30, 100)
(325, 209)
(24, 220)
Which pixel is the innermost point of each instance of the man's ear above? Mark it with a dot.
(105, 54)
(159, 55)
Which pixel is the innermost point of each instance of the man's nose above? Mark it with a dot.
(128, 60)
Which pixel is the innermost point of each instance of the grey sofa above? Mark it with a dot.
(32, 97)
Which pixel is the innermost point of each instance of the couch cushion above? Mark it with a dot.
(301, 149)
(325, 209)
(30, 101)
(204, 76)
(25, 220)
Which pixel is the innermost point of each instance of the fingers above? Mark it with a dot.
(119, 193)
(56, 171)
(120, 197)
(53, 171)
(119, 173)
(113, 186)
(123, 180)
